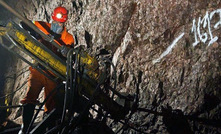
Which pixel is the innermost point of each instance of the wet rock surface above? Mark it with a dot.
(173, 46)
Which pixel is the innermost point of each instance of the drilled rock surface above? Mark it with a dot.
(173, 46)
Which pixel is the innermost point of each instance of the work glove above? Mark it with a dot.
(64, 50)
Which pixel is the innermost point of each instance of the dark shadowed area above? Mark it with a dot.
(5, 56)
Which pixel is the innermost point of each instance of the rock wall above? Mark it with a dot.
(173, 46)
(8, 67)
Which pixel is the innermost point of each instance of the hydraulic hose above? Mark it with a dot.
(73, 81)
(73, 124)
(115, 78)
(115, 81)
(69, 67)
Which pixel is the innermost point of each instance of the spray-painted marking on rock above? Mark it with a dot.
(205, 23)
(169, 49)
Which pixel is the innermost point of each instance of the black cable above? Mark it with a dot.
(68, 68)
(13, 106)
(73, 126)
(122, 123)
(117, 93)
(115, 81)
(119, 129)
(73, 83)
(36, 114)
(213, 123)
(13, 91)
(11, 76)
(66, 89)
(115, 76)
(53, 130)
(16, 106)
(126, 121)
(134, 106)
(133, 128)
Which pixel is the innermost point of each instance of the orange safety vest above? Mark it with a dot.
(65, 39)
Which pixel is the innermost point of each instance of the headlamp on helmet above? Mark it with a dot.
(60, 14)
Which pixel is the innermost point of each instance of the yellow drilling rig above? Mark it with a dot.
(79, 72)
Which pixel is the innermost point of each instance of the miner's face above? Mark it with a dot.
(57, 27)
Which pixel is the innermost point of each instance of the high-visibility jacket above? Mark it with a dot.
(37, 80)
(65, 39)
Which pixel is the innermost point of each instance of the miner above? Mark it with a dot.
(37, 80)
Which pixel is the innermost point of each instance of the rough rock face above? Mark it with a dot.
(173, 46)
